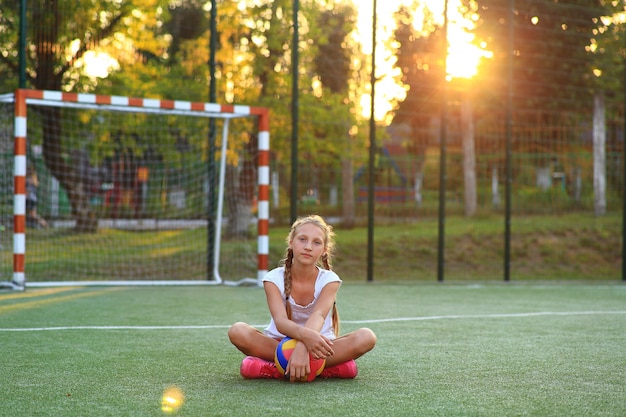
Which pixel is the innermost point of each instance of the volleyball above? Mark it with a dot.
(283, 353)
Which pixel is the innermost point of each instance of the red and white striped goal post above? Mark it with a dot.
(23, 97)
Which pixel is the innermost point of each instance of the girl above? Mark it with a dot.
(300, 296)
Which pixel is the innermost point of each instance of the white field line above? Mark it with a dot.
(369, 321)
(487, 316)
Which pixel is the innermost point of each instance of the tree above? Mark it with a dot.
(333, 66)
(609, 63)
(420, 58)
(161, 48)
(332, 60)
(552, 68)
(607, 50)
(554, 74)
(59, 34)
(327, 115)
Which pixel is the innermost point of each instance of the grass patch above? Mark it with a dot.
(571, 247)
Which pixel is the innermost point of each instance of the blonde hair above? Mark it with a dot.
(326, 263)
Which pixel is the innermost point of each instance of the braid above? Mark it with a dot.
(326, 261)
(335, 314)
(287, 281)
(335, 318)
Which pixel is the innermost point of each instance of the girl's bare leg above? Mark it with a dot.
(351, 346)
(251, 342)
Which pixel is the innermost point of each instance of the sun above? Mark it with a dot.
(99, 64)
(463, 56)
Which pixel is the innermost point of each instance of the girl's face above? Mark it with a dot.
(307, 244)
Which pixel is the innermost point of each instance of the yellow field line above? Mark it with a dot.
(37, 293)
(39, 303)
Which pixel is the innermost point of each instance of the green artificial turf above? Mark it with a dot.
(443, 350)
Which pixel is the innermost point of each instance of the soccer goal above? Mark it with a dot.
(126, 192)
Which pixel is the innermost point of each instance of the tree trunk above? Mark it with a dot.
(241, 187)
(469, 156)
(66, 172)
(239, 206)
(347, 185)
(49, 77)
(599, 154)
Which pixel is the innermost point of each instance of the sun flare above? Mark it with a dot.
(463, 56)
(99, 64)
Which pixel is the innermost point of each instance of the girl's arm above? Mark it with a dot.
(324, 304)
(309, 337)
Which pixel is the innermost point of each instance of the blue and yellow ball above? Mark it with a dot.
(283, 353)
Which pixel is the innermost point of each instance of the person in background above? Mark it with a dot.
(32, 183)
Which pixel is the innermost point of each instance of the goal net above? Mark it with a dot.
(110, 189)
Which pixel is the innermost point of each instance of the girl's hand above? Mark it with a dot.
(319, 345)
(299, 366)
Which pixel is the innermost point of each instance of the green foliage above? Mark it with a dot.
(162, 50)
(607, 48)
(552, 65)
(420, 59)
(332, 61)
(60, 33)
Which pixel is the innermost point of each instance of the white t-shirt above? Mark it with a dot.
(300, 314)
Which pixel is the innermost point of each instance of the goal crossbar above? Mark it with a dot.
(23, 97)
